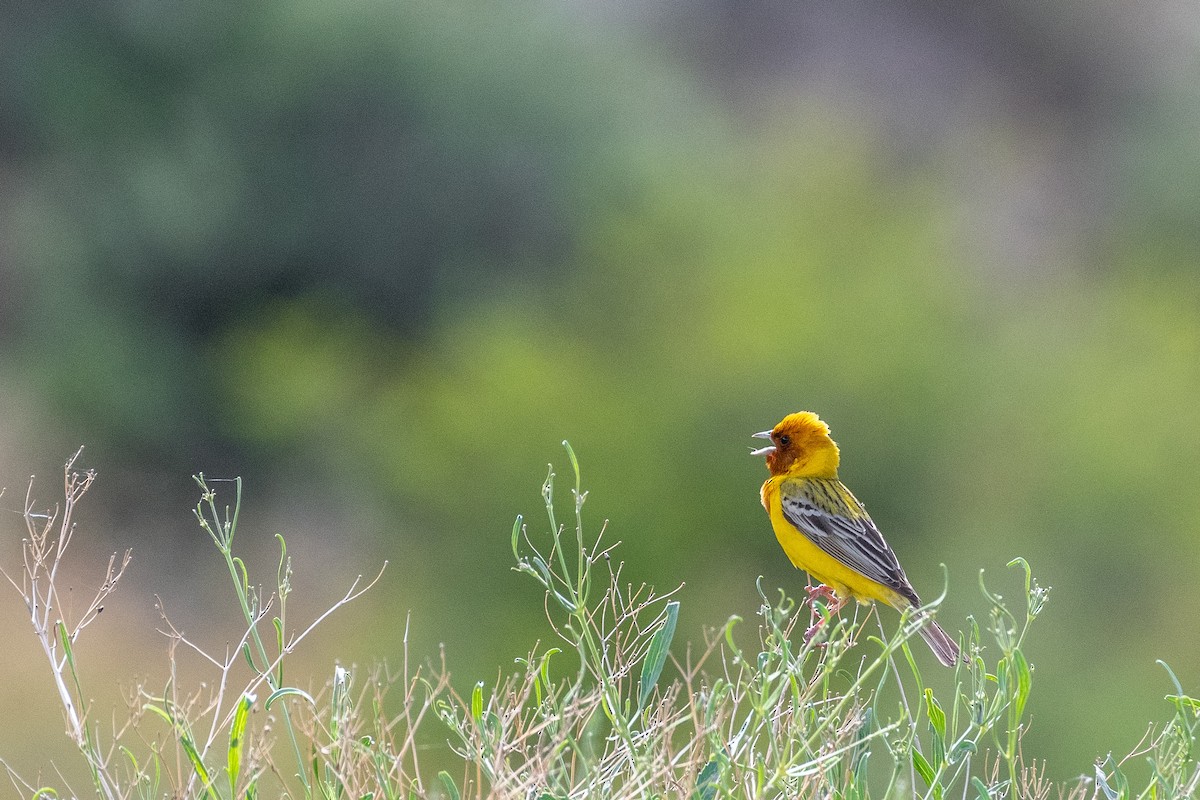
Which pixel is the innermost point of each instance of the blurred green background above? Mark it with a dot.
(379, 258)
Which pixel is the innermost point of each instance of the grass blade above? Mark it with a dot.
(656, 655)
(449, 785)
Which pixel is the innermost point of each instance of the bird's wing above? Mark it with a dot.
(831, 517)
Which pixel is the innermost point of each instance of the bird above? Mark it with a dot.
(826, 531)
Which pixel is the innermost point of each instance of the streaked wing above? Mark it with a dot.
(827, 513)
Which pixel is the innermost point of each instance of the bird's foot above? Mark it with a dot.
(821, 592)
(817, 619)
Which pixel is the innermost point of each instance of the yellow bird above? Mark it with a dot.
(826, 532)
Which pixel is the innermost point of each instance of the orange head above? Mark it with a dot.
(800, 445)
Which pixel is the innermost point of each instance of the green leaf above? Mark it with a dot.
(656, 655)
(339, 701)
(1019, 561)
(516, 532)
(189, 747)
(477, 703)
(237, 740)
(937, 722)
(287, 691)
(733, 648)
(278, 623)
(249, 657)
(137, 770)
(1102, 782)
(449, 786)
(565, 602)
(161, 712)
(1184, 702)
(912, 663)
(544, 667)
(961, 749)
(542, 681)
(574, 466)
(241, 565)
(862, 749)
(65, 639)
(543, 571)
(937, 717)
(1118, 789)
(981, 788)
(706, 781)
(922, 767)
(1171, 673)
(1001, 678)
(1024, 681)
(281, 568)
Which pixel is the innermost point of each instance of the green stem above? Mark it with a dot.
(224, 540)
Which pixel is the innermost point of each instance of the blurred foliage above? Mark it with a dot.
(396, 252)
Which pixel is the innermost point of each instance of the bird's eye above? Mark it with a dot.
(784, 440)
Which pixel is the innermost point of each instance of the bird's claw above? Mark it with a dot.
(834, 604)
(821, 592)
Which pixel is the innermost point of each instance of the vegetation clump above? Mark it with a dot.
(615, 708)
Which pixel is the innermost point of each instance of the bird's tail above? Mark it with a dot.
(945, 648)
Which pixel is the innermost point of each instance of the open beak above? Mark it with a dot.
(762, 451)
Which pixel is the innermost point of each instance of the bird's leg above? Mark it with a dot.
(817, 619)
